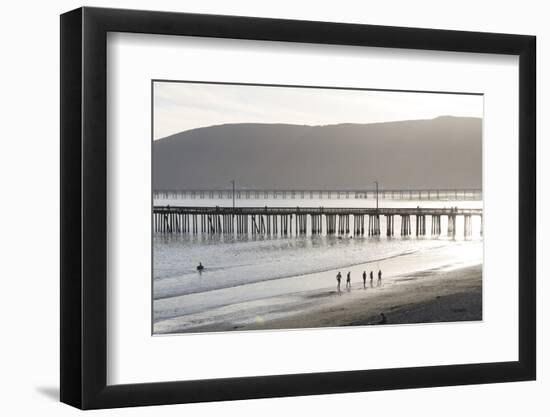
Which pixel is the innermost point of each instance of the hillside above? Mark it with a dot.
(445, 152)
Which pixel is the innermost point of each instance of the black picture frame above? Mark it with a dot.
(84, 207)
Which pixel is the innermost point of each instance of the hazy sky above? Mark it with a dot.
(184, 106)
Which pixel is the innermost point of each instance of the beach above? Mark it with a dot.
(422, 287)
(422, 297)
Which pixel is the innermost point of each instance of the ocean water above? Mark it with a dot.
(234, 264)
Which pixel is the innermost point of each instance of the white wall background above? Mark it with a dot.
(29, 220)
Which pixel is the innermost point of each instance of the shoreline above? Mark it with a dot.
(237, 303)
(319, 271)
(444, 293)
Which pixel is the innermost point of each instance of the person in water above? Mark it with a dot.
(338, 279)
(364, 279)
(348, 280)
(379, 275)
(200, 266)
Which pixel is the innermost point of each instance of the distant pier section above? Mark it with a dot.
(383, 194)
(287, 221)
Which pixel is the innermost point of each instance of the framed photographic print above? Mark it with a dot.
(258, 207)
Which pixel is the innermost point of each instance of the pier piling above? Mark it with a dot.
(304, 220)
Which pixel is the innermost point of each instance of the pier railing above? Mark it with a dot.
(314, 220)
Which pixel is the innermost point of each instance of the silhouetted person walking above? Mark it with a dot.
(364, 279)
(379, 276)
(338, 279)
(348, 280)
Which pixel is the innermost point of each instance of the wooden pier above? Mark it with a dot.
(286, 221)
(295, 194)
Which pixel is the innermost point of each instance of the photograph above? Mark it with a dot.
(293, 207)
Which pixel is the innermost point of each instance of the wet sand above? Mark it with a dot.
(432, 295)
